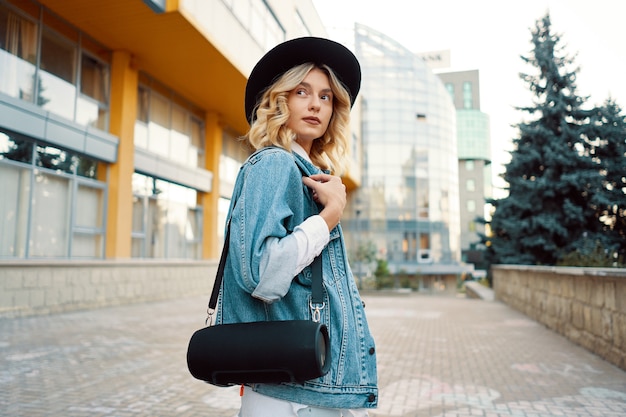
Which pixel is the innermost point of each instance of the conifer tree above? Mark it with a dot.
(606, 143)
(550, 175)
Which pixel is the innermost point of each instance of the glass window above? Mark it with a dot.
(469, 164)
(58, 57)
(89, 207)
(88, 237)
(143, 105)
(158, 132)
(61, 215)
(155, 244)
(167, 223)
(58, 43)
(50, 214)
(54, 159)
(196, 150)
(86, 167)
(85, 245)
(234, 153)
(15, 185)
(467, 95)
(169, 127)
(88, 113)
(470, 185)
(141, 125)
(179, 135)
(259, 20)
(94, 79)
(92, 108)
(15, 149)
(18, 54)
(57, 88)
(138, 226)
(471, 205)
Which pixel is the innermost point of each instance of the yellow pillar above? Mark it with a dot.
(123, 112)
(209, 201)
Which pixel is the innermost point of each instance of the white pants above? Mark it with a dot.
(254, 404)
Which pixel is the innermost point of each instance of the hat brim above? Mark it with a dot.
(299, 51)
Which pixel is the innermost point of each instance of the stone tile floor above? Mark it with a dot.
(437, 356)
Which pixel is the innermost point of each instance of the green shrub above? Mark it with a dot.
(593, 256)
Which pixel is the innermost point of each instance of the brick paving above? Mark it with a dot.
(437, 356)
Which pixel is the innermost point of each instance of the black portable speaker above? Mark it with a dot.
(259, 352)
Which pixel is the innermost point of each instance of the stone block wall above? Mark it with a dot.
(586, 305)
(38, 287)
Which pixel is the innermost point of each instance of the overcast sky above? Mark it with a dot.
(490, 36)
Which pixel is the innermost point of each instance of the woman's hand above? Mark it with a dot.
(330, 192)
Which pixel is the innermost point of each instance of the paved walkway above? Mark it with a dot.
(437, 356)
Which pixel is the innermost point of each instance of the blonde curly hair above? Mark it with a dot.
(328, 152)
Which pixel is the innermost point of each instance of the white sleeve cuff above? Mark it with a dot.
(312, 236)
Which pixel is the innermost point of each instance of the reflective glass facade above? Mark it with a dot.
(44, 60)
(167, 125)
(166, 220)
(52, 203)
(408, 204)
(473, 133)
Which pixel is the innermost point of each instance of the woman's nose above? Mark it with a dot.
(315, 103)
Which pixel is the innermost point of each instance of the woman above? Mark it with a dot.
(285, 211)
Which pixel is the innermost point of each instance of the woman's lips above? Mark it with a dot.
(312, 120)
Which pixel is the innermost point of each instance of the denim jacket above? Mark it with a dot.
(269, 201)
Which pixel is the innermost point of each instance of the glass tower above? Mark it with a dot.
(408, 202)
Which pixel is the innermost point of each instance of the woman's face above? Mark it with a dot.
(310, 108)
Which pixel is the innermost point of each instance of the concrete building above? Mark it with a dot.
(474, 147)
(118, 142)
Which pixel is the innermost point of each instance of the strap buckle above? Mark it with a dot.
(316, 310)
(209, 316)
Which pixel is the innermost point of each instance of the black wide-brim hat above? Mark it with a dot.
(299, 51)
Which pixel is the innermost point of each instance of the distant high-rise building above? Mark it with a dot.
(474, 153)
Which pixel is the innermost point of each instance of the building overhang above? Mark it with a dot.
(167, 46)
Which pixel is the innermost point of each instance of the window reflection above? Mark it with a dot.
(89, 212)
(58, 75)
(169, 128)
(54, 159)
(62, 215)
(18, 47)
(410, 171)
(179, 135)
(89, 113)
(167, 222)
(94, 79)
(50, 217)
(15, 149)
(55, 87)
(85, 245)
(158, 132)
(58, 57)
